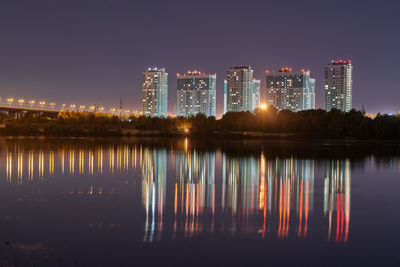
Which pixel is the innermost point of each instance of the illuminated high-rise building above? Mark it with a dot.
(238, 89)
(339, 86)
(290, 89)
(196, 94)
(155, 92)
(256, 91)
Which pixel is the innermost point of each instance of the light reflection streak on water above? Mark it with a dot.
(20, 167)
(9, 166)
(81, 161)
(111, 158)
(90, 161)
(100, 160)
(30, 166)
(41, 164)
(119, 158)
(51, 163)
(71, 161)
(62, 160)
(265, 196)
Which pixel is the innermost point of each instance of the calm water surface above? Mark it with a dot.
(168, 202)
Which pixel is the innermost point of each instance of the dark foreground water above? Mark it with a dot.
(181, 202)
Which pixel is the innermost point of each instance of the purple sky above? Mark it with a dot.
(87, 52)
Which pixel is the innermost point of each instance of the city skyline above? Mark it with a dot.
(155, 93)
(285, 89)
(94, 52)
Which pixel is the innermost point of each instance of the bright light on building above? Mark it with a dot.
(263, 107)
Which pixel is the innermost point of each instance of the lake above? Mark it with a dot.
(173, 202)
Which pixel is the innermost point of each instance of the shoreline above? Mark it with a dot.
(207, 139)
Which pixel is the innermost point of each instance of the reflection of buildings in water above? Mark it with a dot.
(273, 189)
(240, 183)
(290, 190)
(337, 190)
(154, 177)
(269, 196)
(194, 192)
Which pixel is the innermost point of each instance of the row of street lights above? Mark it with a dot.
(21, 102)
(73, 107)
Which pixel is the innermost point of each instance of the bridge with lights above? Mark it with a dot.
(20, 108)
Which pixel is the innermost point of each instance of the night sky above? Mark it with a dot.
(87, 52)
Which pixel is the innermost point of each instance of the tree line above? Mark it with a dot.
(334, 124)
(318, 124)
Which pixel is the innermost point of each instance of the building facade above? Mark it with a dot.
(239, 88)
(155, 92)
(290, 89)
(196, 93)
(339, 86)
(256, 94)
